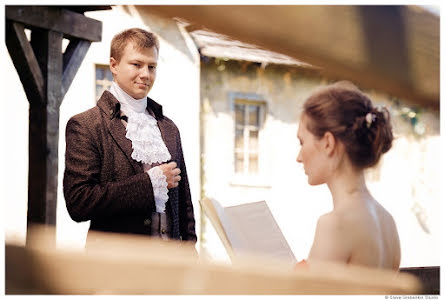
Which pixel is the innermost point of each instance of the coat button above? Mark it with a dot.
(147, 222)
(111, 111)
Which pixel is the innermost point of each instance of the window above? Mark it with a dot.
(248, 119)
(104, 78)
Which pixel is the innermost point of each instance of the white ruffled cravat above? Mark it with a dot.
(148, 146)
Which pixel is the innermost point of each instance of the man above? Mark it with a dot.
(124, 166)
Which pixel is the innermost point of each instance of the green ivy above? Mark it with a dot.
(412, 115)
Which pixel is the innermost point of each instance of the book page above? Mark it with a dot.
(251, 228)
(215, 212)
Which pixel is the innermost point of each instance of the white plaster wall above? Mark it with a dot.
(176, 88)
(14, 153)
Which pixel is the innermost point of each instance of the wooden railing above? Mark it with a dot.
(122, 264)
(428, 276)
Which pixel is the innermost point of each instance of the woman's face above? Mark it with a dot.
(311, 154)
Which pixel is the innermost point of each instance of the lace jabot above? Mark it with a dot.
(142, 129)
(146, 140)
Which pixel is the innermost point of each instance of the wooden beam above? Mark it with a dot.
(25, 61)
(119, 264)
(383, 27)
(44, 131)
(72, 59)
(71, 24)
(428, 276)
(338, 39)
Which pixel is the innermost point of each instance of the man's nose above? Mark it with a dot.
(144, 73)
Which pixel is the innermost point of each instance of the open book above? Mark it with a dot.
(248, 228)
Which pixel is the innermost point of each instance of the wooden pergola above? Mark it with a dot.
(46, 74)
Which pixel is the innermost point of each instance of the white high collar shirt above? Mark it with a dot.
(146, 139)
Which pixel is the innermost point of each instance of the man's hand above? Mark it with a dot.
(172, 173)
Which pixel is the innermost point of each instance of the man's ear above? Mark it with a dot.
(113, 65)
(330, 143)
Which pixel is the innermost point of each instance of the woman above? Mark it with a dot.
(341, 134)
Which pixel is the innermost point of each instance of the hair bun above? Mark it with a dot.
(349, 115)
(374, 133)
(383, 130)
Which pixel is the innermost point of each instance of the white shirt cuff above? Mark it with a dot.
(160, 190)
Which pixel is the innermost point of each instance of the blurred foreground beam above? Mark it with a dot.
(394, 49)
(124, 264)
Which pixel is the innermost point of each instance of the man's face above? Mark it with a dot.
(135, 73)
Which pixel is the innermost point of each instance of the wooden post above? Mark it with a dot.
(44, 130)
(46, 74)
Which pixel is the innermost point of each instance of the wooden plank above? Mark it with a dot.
(25, 61)
(126, 264)
(383, 29)
(72, 59)
(428, 276)
(44, 131)
(71, 24)
(83, 8)
(334, 38)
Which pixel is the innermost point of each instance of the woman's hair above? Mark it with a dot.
(141, 38)
(342, 109)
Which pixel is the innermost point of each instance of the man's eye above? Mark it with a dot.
(152, 67)
(137, 65)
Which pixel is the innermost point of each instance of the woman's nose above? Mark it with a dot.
(299, 157)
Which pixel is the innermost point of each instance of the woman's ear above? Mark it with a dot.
(330, 143)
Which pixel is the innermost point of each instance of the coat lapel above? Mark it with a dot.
(118, 132)
(110, 106)
(166, 128)
(168, 137)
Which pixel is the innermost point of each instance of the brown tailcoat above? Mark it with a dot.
(102, 183)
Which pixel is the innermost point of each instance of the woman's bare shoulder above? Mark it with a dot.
(332, 222)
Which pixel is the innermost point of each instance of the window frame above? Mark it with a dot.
(247, 99)
(104, 82)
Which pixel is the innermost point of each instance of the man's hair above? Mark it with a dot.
(140, 38)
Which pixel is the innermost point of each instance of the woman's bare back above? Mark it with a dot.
(361, 234)
(376, 238)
